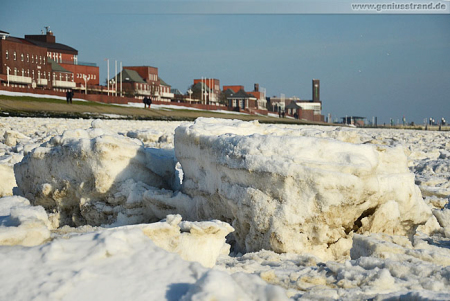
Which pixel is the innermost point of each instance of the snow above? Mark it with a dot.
(115, 209)
(309, 196)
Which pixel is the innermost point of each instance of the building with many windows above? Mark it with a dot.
(37, 61)
(141, 81)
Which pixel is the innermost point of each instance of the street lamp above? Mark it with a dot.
(113, 84)
(190, 93)
(85, 83)
(107, 60)
(7, 73)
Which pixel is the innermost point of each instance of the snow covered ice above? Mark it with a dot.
(110, 209)
(307, 196)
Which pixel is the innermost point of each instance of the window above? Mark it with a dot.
(44, 60)
(15, 56)
(23, 72)
(28, 58)
(32, 59)
(33, 73)
(21, 57)
(7, 54)
(40, 60)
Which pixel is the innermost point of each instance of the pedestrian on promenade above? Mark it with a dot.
(145, 101)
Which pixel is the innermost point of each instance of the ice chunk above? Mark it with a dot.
(7, 180)
(194, 241)
(81, 176)
(292, 193)
(21, 223)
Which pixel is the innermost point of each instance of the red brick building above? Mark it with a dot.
(141, 81)
(210, 88)
(238, 99)
(37, 61)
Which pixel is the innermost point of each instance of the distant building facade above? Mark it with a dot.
(37, 61)
(238, 99)
(141, 81)
(206, 90)
(310, 110)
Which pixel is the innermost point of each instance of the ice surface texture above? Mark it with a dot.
(286, 192)
(91, 176)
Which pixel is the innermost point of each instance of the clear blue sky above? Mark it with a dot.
(387, 66)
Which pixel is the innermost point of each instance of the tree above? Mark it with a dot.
(223, 98)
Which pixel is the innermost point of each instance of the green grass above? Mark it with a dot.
(50, 100)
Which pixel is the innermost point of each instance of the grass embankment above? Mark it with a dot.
(28, 106)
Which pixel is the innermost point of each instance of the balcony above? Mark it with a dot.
(42, 82)
(143, 92)
(19, 79)
(63, 84)
(167, 95)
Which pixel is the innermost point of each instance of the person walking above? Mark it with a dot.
(145, 101)
(68, 96)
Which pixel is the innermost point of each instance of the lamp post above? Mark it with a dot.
(113, 84)
(7, 73)
(190, 93)
(107, 60)
(85, 83)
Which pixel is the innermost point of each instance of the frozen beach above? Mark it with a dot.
(221, 210)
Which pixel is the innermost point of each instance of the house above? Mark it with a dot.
(238, 99)
(310, 110)
(260, 95)
(141, 81)
(207, 90)
(305, 110)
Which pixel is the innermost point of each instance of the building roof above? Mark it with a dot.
(176, 91)
(293, 105)
(228, 93)
(353, 117)
(53, 46)
(162, 82)
(57, 67)
(131, 76)
(199, 86)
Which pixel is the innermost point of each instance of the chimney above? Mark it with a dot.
(256, 88)
(48, 37)
(316, 90)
